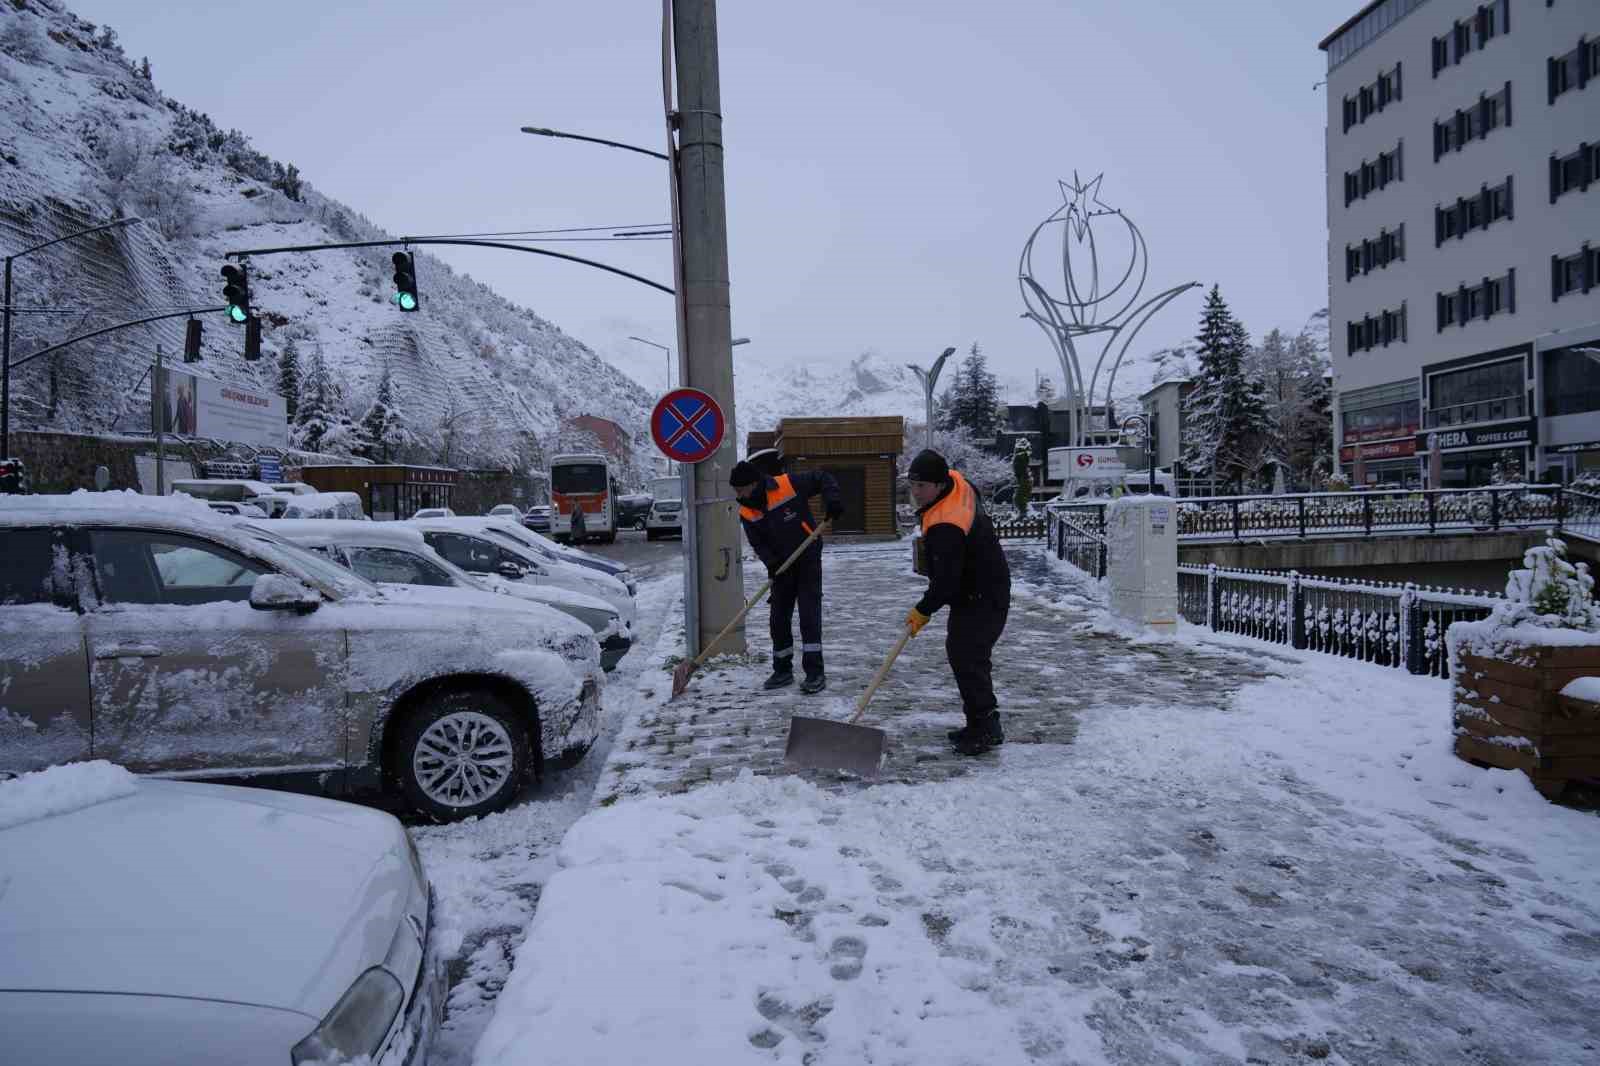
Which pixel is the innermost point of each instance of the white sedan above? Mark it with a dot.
(146, 922)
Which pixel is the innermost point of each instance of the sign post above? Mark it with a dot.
(688, 426)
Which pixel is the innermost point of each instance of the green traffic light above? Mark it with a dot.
(236, 313)
(406, 301)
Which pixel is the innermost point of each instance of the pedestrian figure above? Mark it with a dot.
(967, 572)
(578, 527)
(776, 521)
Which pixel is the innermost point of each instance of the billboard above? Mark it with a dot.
(1086, 464)
(192, 406)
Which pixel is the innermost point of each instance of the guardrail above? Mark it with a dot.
(1385, 623)
(1345, 514)
(1074, 537)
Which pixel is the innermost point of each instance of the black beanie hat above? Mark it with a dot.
(743, 474)
(929, 466)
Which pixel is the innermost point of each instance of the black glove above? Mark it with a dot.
(834, 510)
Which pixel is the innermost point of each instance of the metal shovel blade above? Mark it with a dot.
(824, 744)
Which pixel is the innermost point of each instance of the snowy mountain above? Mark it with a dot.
(86, 136)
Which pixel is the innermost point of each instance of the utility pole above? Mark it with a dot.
(712, 536)
(158, 414)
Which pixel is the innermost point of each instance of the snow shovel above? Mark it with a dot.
(824, 744)
(685, 670)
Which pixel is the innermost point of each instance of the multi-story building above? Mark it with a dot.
(1463, 180)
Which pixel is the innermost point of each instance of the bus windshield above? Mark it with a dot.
(578, 477)
(666, 488)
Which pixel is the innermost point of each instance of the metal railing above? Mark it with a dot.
(1384, 623)
(1078, 537)
(1019, 528)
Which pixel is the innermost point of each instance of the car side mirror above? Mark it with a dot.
(280, 592)
(507, 568)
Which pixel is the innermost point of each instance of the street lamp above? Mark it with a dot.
(5, 345)
(929, 378)
(664, 348)
(541, 131)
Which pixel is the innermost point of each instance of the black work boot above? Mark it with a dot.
(814, 683)
(780, 677)
(958, 735)
(982, 734)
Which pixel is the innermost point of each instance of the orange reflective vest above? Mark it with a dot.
(776, 498)
(959, 507)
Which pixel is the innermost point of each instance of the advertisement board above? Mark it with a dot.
(1086, 464)
(189, 405)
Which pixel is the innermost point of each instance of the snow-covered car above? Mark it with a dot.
(434, 512)
(487, 546)
(506, 510)
(237, 510)
(157, 634)
(293, 488)
(389, 553)
(563, 553)
(234, 490)
(633, 509)
(149, 922)
(325, 505)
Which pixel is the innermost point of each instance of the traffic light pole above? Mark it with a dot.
(42, 352)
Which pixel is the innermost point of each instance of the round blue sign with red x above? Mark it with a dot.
(687, 425)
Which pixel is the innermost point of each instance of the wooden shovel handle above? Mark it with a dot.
(883, 672)
(762, 591)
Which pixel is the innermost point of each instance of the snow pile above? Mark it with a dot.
(62, 790)
(1583, 688)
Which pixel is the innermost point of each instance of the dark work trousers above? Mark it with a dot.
(801, 583)
(970, 636)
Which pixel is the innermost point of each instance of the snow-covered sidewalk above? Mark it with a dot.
(1296, 871)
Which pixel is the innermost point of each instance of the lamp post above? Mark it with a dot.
(5, 344)
(929, 378)
(664, 348)
(541, 131)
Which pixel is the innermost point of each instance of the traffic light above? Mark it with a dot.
(191, 341)
(13, 477)
(236, 291)
(252, 338)
(405, 282)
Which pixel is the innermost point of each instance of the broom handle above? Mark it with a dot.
(753, 600)
(883, 672)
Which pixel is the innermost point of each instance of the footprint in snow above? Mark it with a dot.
(846, 955)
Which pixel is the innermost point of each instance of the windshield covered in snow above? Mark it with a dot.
(292, 556)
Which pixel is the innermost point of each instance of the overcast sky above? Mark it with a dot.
(885, 158)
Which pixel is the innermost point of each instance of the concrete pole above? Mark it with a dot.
(158, 404)
(707, 351)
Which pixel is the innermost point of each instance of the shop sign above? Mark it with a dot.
(1572, 449)
(1487, 437)
(1389, 449)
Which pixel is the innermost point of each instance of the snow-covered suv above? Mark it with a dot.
(157, 634)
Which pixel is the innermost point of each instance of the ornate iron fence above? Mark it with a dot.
(1019, 528)
(1385, 623)
(1515, 507)
(1077, 535)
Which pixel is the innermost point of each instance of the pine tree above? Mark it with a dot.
(318, 409)
(1226, 419)
(383, 431)
(289, 379)
(975, 397)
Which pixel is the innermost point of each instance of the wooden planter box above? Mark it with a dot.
(1509, 713)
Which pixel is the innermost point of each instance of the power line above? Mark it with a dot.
(538, 232)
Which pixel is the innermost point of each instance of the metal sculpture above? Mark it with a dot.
(1081, 311)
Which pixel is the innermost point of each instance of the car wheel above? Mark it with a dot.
(463, 754)
(641, 524)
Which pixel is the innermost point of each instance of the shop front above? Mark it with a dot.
(1382, 464)
(1479, 455)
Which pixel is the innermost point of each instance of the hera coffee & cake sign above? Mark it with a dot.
(1502, 435)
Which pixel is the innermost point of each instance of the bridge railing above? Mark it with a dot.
(1385, 623)
(1345, 514)
(1077, 535)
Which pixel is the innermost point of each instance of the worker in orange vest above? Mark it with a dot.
(777, 520)
(967, 572)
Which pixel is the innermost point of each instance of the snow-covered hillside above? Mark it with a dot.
(86, 136)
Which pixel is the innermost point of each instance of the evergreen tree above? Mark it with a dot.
(318, 415)
(1045, 391)
(1021, 459)
(1309, 436)
(289, 379)
(944, 407)
(1227, 424)
(975, 397)
(383, 430)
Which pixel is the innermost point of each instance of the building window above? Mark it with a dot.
(1387, 247)
(1579, 272)
(1489, 21)
(1373, 175)
(1382, 412)
(1490, 392)
(1468, 213)
(1370, 99)
(1576, 171)
(1572, 380)
(1490, 297)
(1366, 29)
(1575, 69)
(1372, 331)
(1473, 123)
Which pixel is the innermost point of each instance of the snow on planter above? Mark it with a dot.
(1525, 682)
